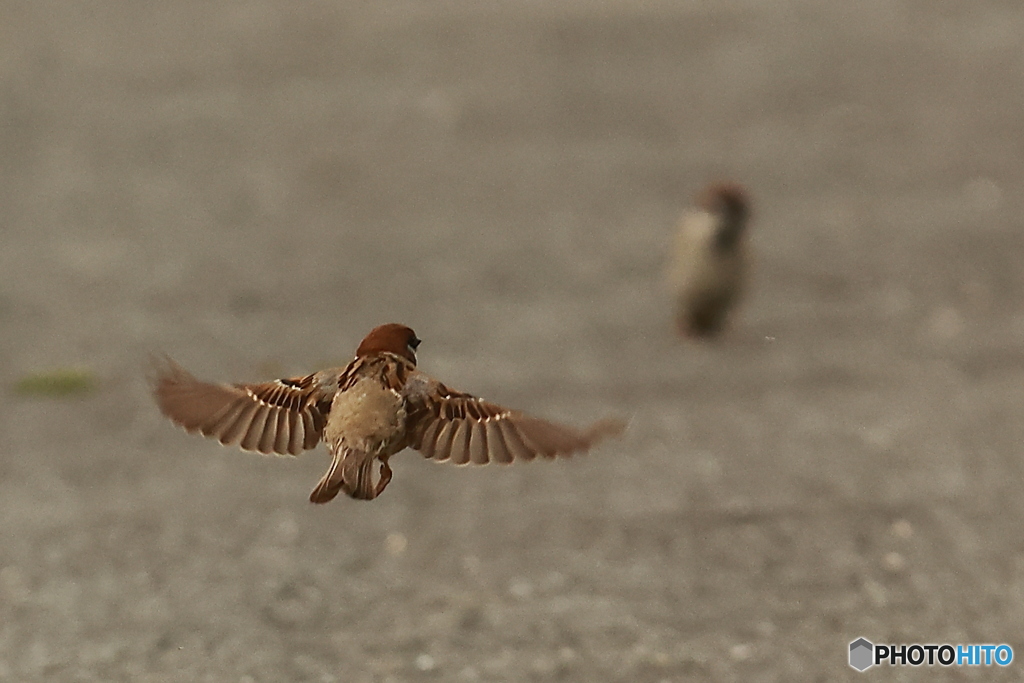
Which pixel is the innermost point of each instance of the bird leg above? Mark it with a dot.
(385, 476)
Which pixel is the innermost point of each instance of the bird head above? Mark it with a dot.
(391, 338)
(729, 202)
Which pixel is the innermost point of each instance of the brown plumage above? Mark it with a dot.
(376, 406)
(709, 267)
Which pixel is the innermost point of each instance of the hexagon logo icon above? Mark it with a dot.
(862, 654)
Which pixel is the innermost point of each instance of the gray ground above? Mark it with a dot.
(251, 186)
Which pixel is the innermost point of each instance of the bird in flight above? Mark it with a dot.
(709, 265)
(376, 406)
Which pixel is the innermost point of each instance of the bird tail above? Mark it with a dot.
(703, 317)
(351, 472)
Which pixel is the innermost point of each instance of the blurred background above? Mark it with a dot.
(251, 186)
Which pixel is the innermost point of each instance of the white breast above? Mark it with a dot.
(695, 268)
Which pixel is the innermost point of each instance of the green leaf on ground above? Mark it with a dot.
(56, 382)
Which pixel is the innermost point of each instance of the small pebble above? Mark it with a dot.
(901, 528)
(396, 544)
(521, 588)
(875, 593)
(894, 562)
(740, 652)
(471, 565)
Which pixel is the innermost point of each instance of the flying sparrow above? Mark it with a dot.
(376, 406)
(709, 265)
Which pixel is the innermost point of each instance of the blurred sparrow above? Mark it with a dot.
(369, 410)
(709, 265)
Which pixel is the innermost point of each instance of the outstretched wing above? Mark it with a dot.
(285, 416)
(451, 426)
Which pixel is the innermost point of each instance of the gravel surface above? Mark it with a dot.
(251, 186)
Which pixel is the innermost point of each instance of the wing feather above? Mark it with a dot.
(282, 433)
(447, 425)
(284, 416)
(460, 442)
(257, 425)
(478, 452)
(443, 444)
(296, 432)
(496, 443)
(268, 437)
(518, 449)
(232, 431)
(429, 439)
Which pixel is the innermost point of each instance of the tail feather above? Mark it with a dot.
(351, 472)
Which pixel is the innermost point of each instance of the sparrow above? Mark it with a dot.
(377, 405)
(709, 266)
